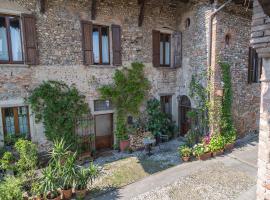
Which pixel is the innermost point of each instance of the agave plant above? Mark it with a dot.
(68, 172)
(59, 151)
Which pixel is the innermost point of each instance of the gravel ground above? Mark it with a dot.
(166, 153)
(215, 182)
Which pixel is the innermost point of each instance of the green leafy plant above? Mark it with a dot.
(50, 182)
(68, 173)
(84, 175)
(200, 149)
(28, 156)
(7, 161)
(11, 188)
(226, 125)
(36, 189)
(185, 151)
(127, 93)
(193, 137)
(216, 143)
(58, 106)
(158, 122)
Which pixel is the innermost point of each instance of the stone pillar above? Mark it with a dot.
(264, 138)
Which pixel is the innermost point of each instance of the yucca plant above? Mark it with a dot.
(50, 183)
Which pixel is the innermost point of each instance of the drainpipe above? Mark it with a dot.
(212, 15)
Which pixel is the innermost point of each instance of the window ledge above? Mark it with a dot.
(102, 66)
(167, 68)
(14, 65)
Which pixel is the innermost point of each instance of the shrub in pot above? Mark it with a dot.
(36, 191)
(7, 163)
(83, 177)
(185, 153)
(216, 144)
(201, 151)
(230, 140)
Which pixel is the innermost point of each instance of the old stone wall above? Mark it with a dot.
(236, 26)
(60, 48)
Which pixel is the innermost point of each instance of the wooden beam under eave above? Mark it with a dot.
(41, 6)
(141, 14)
(94, 9)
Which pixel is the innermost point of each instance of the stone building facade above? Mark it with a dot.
(260, 40)
(60, 55)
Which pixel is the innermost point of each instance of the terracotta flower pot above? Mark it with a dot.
(81, 193)
(67, 194)
(124, 144)
(267, 186)
(185, 158)
(56, 198)
(205, 156)
(218, 153)
(229, 147)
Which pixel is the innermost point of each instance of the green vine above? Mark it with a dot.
(57, 106)
(127, 93)
(227, 128)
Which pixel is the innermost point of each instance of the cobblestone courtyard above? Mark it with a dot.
(232, 176)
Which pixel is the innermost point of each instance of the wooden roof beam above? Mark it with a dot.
(142, 10)
(41, 5)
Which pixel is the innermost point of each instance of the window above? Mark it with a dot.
(166, 104)
(16, 121)
(101, 105)
(165, 50)
(10, 40)
(101, 44)
(254, 67)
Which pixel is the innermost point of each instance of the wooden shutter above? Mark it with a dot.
(156, 48)
(250, 65)
(116, 43)
(177, 41)
(87, 42)
(30, 40)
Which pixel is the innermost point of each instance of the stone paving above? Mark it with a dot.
(232, 176)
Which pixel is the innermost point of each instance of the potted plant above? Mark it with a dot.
(68, 176)
(201, 152)
(185, 153)
(216, 145)
(50, 184)
(7, 163)
(124, 143)
(36, 191)
(83, 176)
(229, 141)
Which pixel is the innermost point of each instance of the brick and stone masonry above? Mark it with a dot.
(60, 51)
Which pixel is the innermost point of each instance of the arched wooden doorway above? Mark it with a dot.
(184, 106)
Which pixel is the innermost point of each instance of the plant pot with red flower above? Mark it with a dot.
(201, 152)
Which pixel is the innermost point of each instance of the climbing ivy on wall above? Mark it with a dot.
(57, 106)
(226, 122)
(127, 93)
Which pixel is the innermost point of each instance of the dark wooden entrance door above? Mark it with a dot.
(104, 131)
(184, 108)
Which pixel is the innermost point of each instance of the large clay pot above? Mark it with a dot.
(57, 198)
(124, 144)
(67, 194)
(81, 193)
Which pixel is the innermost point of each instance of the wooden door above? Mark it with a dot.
(104, 131)
(184, 108)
